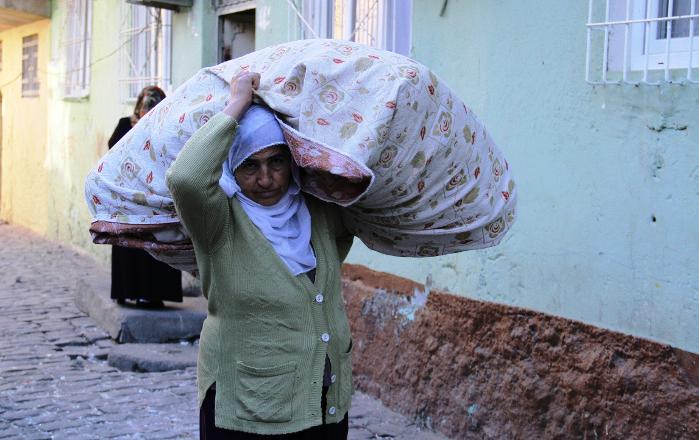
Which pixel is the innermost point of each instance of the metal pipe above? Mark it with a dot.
(642, 20)
(646, 40)
(589, 32)
(605, 55)
(668, 37)
(625, 74)
(692, 11)
(303, 20)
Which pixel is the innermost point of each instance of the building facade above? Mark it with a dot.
(594, 106)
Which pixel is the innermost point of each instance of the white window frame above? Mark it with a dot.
(384, 24)
(632, 52)
(31, 86)
(146, 54)
(76, 43)
(680, 46)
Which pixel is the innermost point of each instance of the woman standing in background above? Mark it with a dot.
(136, 275)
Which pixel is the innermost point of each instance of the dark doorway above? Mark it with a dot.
(236, 35)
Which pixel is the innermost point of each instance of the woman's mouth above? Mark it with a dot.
(267, 194)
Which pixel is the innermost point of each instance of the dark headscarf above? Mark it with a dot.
(148, 98)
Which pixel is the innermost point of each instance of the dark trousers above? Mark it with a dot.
(209, 431)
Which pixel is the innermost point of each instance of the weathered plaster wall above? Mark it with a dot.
(79, 128)
(608, 176)
(23, 197)
(478, 370)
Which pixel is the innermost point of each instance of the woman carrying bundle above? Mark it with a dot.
(274, 355)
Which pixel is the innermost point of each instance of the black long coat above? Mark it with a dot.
(135, 274)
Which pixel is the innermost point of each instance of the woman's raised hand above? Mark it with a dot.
(242, 86)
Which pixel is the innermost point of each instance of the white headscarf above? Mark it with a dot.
(287, 223)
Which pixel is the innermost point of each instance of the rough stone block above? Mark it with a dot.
(153, 357)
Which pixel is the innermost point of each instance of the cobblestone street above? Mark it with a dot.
(56, 384)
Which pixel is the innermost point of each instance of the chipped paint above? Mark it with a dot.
(417, 301)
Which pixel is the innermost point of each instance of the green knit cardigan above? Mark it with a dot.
(267, 332)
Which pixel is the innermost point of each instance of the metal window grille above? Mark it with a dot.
(78, 30)
(385, 24)
(146, 53)
(319, 16)
(642, 42)
(30, 61)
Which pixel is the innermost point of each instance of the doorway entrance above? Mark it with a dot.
(236, 35)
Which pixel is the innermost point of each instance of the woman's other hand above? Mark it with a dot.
(242, 86)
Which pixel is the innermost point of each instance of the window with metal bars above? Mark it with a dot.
(642, 41)
(385, 24)
(76, 43)
(30, 66)
(146, 52)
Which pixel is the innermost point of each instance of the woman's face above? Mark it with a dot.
(264, 177)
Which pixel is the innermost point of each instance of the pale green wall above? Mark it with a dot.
(273, 18)
(79, 129)
(594, 165)
(194, 38)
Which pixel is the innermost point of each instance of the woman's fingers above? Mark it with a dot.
(255, 80)
(242, 86)
(244, 82)
(246, 76)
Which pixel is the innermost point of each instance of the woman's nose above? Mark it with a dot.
(264, 178)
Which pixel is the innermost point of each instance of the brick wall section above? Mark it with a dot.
(474, 370)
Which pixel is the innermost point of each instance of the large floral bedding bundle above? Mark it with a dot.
(375, 132)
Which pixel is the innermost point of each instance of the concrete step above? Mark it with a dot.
(173, 323)
(153, 357)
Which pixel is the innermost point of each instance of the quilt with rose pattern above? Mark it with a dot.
(373, 131)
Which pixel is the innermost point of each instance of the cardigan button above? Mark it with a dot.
(319, 298)
(333, 378)
(325, 337)
(332, 410)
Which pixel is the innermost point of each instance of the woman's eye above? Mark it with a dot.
(278, 161)
(248, 167)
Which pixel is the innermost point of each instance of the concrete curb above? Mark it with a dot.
(174, 322)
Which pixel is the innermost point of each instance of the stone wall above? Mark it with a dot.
(473, 369)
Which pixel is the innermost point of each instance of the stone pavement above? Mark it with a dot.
(55, 382)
